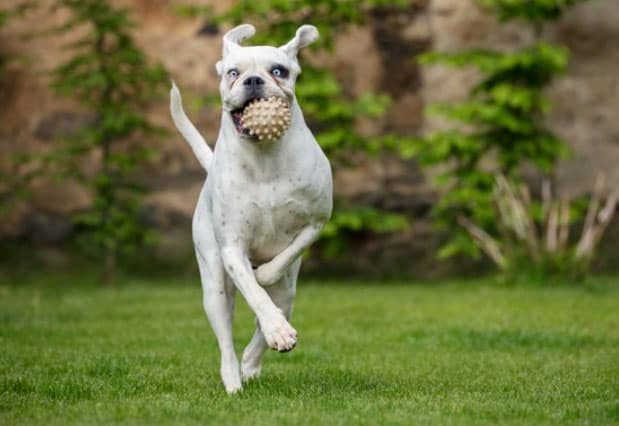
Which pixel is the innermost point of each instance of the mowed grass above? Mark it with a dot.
(369, 354)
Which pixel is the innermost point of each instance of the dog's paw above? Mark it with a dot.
(250, 371)
(279, 334)
(231, 378)
(232, 389)
(250, 365)
(266, 275)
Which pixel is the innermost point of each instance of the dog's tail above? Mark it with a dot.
(197, 143)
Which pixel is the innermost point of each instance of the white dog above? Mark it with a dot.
(262, 204)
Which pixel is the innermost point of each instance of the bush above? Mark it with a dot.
(534, 243)
(505, 112)
(112, 78)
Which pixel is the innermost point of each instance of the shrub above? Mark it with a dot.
(112, 79)
(503, 120)
(539, 244)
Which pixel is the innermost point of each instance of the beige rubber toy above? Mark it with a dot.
(266, 119)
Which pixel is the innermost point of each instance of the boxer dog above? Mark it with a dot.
(263, 203)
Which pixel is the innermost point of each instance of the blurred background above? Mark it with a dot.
(464, 135)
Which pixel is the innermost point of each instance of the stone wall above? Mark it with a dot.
(585, 104)
(376, 57)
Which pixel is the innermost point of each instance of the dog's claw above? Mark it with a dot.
(231, 378)
(279, 334)
(283, 351)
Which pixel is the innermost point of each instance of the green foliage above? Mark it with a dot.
(112, 78)
(17, 9)
(14, 180)
(331, 113)
(500, 125)
(327, 108)
(551, 269)
(534, 241)
(531, 10)
(354, 220)
(280, 19)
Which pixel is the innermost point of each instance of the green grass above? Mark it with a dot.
(447, 353)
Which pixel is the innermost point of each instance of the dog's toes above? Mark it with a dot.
(287, 341)
(281, 337)
(231, 377)
(230, 390)
(250, 371)
(282, 351)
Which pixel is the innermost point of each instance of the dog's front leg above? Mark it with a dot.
(270, 272)
(277, 332)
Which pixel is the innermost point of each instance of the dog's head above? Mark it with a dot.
(255, 72)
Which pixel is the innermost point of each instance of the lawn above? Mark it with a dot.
(369, 353)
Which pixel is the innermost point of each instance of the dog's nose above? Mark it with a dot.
(253, 82)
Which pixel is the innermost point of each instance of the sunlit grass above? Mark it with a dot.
(447, 353)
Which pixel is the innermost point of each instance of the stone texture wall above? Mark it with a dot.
(584, 101)
(376, 57)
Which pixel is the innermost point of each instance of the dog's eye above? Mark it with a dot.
(279, 71)
(233, 73)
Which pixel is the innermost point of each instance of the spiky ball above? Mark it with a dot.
(266, 119)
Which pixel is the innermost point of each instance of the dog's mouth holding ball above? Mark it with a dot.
(237, 116)
(262, 118)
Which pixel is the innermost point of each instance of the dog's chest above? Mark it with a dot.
(276, 213)
(265, 217)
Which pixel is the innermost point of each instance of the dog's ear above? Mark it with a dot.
(306, 35)
(235, 36)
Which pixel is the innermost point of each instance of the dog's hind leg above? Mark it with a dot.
(218, 300)
(282, 295)
(252, 355)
